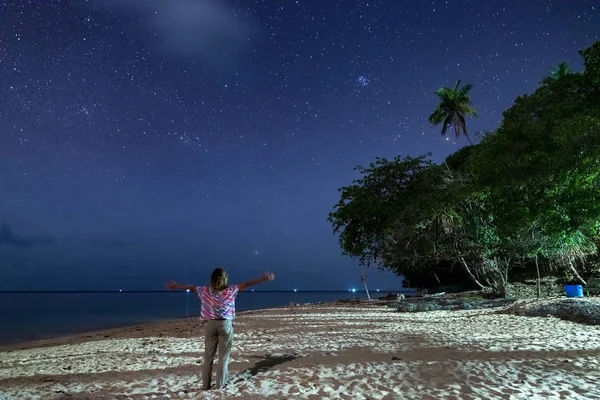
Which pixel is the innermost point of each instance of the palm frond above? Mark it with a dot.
(457, 85)
(464, 91)
(461, 124)
(446, 124)
(436, 117)
(467, 110)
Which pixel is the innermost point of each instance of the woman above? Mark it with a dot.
(218, 308)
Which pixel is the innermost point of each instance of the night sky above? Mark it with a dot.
(147, 140)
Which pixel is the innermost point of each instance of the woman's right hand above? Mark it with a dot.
(269, 276)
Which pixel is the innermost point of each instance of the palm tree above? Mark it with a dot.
(560, 71)
(455, 106)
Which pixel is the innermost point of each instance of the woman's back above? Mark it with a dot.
(217, 304)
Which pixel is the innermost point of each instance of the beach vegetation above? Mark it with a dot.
(522, 203)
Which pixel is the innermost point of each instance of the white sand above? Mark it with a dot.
(315, 352)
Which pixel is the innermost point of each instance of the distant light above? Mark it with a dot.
(120, 290)
(378, 290)
(354, 290)
(187, 290)
(253, 290)
(295, 290)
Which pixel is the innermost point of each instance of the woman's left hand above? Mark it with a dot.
(270, 276)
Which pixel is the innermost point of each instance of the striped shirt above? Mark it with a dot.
(217, 305)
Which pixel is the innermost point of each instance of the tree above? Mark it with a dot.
(560, 71)
(408, 215)
(454, 108)
(542, 169)
(367, 208)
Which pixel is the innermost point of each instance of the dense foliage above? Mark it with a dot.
(525, 199)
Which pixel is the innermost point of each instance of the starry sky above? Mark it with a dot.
(146, 140)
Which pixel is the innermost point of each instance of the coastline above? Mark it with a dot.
(61, 315)
(136, 329)
(345, 349)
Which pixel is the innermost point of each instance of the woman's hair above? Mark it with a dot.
(218, 279)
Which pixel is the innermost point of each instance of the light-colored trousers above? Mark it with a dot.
(217, 334)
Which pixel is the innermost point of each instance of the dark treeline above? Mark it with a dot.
(522, 204)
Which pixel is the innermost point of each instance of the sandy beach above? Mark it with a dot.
(326, 351)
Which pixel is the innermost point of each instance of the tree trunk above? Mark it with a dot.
(506, 267)
(367, 290)
(466, 267)
(499, 275)
(363, 279)
(576, 273)
(537, 270)
(467, 135)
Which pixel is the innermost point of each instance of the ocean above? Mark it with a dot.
(29, 316)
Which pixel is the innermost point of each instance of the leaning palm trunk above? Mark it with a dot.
(576, 273)
(466, 134)
(466, 267)
(363, 279)
(537, 270)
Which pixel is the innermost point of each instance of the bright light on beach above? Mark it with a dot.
(187, 290)
(295, 290)
(353, 290)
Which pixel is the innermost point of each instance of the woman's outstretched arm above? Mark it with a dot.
(268, 276)
(176, 286)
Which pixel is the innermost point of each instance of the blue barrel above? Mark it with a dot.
(574, 290)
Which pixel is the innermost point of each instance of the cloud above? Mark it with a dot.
(201, 30)
(7, 237)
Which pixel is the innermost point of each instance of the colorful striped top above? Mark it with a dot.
(217, 305)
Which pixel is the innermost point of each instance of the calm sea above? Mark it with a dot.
(32, 316)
